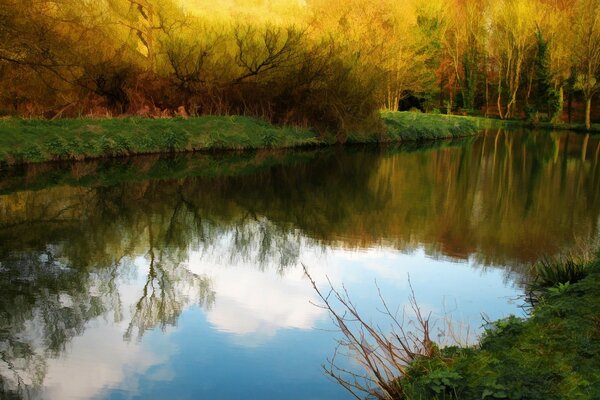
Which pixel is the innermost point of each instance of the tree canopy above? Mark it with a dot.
(327, 64)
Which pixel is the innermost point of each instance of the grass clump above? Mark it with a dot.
(550, 272)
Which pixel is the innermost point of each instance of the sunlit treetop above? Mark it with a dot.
(276, 10)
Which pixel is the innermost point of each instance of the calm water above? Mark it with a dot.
(182, 278)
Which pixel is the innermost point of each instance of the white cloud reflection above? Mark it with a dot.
(253, 305)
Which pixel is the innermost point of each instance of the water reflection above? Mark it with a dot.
(95, 259)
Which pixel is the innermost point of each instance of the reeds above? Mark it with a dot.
(553, 271)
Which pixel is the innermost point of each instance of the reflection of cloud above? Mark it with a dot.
(258, 303)
(255, 304)
(102, 360)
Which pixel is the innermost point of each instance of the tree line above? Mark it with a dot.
(327, 64)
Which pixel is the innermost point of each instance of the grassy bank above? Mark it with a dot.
(414, 126)
(495, 123)
(29, 141)
(554, 354)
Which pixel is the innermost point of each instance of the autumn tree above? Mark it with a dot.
(513, 37)
(586, 51)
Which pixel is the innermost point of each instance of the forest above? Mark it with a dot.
(328, 65)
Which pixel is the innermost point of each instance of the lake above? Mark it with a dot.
(182, 277)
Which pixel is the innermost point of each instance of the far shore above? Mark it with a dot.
(25, 141)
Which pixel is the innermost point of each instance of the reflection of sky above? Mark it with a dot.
(262, 338)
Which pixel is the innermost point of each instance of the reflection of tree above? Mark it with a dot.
(168, 289)
(496, 198)
(43, 305)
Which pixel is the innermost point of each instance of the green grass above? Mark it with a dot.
(28, 141)
(550, 272)
(34, 140)
(414, 126)
(554, 354)
(495, 123)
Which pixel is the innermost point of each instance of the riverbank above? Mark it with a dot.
(551, 355)
(30, 141)
(495, 123)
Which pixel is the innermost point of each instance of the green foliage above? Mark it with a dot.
(174, 141)
(561, 270)
(30, 153)
(507, 326)
(57, 147)
(560, 288)
(123, 144)
(269, 139)
(441, 383)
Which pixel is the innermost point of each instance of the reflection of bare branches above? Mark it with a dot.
(260, 241)
(164, 293)
(384, 356)
(163, 298)
(27, 369)
(57, 217)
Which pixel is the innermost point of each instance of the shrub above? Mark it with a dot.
(31, 153)
(57, 147)
(175, 141)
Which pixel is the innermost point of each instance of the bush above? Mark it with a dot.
(57, 147)
(31, 153)
(174, 141)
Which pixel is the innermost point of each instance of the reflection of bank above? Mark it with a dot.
(506, 197)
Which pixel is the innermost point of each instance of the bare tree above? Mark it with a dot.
(259, 51)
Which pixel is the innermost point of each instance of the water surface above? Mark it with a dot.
(182, 277)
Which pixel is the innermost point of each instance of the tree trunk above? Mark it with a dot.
(487, 96)
(588, 110)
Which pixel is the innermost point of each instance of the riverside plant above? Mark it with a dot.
(385, 357)
(554, 271)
